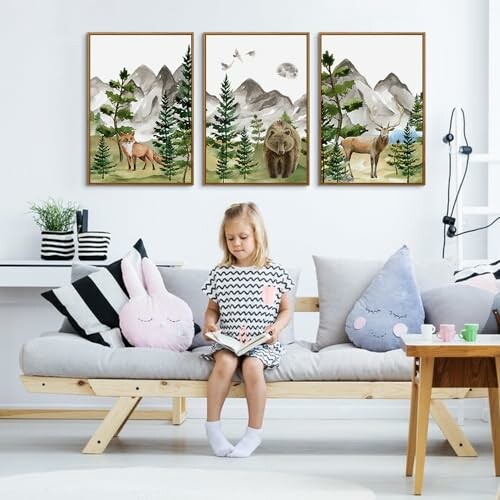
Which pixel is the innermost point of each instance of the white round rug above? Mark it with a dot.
(155, 483)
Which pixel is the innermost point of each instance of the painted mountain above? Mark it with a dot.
(269, 106)
(149, 91)
(384, 103)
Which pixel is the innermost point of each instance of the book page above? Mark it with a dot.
(235, 345)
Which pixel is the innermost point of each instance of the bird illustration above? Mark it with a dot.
(237, 56)
(225, 66)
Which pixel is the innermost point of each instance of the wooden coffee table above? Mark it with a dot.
(449, 364)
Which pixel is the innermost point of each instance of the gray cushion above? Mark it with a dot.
(63, 355)
(390, 307)
(342, 281)
(458, 304)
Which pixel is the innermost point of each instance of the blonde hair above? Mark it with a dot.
(250, 212)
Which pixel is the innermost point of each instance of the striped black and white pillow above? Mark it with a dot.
(471, 272)
(92, 303)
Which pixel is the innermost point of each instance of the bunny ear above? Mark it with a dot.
(152, 277)
(131, 279)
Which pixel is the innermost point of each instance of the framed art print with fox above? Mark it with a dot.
(372, 109)
(256, 108)
(140, 102)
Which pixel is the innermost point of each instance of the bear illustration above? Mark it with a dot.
(281, 149)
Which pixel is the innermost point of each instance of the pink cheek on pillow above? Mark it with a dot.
(399, 329)
(359, 322)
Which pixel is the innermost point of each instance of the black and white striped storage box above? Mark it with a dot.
(93, 245)
(58, 245)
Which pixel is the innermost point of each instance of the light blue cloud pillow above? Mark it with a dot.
(388, 308)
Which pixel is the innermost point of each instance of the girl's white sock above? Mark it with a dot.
(248, 444)
(220, 445)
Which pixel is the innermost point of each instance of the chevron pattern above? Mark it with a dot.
(248, 300)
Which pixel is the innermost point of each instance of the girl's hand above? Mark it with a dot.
(209, 327)
(274, 332)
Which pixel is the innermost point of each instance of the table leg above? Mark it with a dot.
(410, 454)
(493, 398)
(424, 402)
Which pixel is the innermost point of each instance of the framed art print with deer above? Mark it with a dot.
(256, 108)
(140, 88)
(372, 110)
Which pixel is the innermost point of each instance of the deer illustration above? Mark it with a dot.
(372, 146)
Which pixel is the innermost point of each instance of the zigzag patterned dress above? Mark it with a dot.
(248, 300)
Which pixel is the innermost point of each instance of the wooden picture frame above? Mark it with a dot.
(256, 108)
(372, 108)
(140, 108)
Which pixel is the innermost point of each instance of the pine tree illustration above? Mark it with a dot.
(394, 157)
(183, 111)
(409, 161)
(417, 113)
(257, 127)
(102, 164)
(118, 108)
(244, 159)
(336, 169)
(163, 134)
(225, 131)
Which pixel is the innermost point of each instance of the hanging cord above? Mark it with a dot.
(449, 182)
(478, 228)
(466, 167)
(460, 188)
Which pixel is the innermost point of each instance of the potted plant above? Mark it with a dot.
(56, 220)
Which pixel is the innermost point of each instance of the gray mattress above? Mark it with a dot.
(68, 355)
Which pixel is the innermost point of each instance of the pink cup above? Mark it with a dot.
(446, 333)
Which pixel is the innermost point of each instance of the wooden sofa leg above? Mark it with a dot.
(112, 424)
(452, 432)
(137, 401)
(178, 410)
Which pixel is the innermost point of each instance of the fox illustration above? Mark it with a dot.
(134, 150)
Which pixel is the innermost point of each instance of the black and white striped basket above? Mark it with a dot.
(58, 245)
(93, 245)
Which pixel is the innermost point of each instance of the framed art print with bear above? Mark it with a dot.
(140, 88)
(372, 110)
(256, 97)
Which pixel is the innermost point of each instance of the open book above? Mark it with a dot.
(239, 348)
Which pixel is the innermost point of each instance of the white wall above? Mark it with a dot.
(43, 130)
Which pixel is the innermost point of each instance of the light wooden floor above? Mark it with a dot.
(368, 452)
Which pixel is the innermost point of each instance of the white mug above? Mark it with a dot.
(427, 330)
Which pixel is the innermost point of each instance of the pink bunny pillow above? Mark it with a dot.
(154, 318)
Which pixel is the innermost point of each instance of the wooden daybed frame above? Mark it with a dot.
(130, 392)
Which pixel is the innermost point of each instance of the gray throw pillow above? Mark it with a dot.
(390, 307)
(342, 281)
(458, 304)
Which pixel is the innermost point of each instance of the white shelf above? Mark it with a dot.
(47, 273)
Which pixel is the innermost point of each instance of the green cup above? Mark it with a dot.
(469, 333)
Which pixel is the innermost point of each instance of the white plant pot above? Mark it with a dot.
(58, 245)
